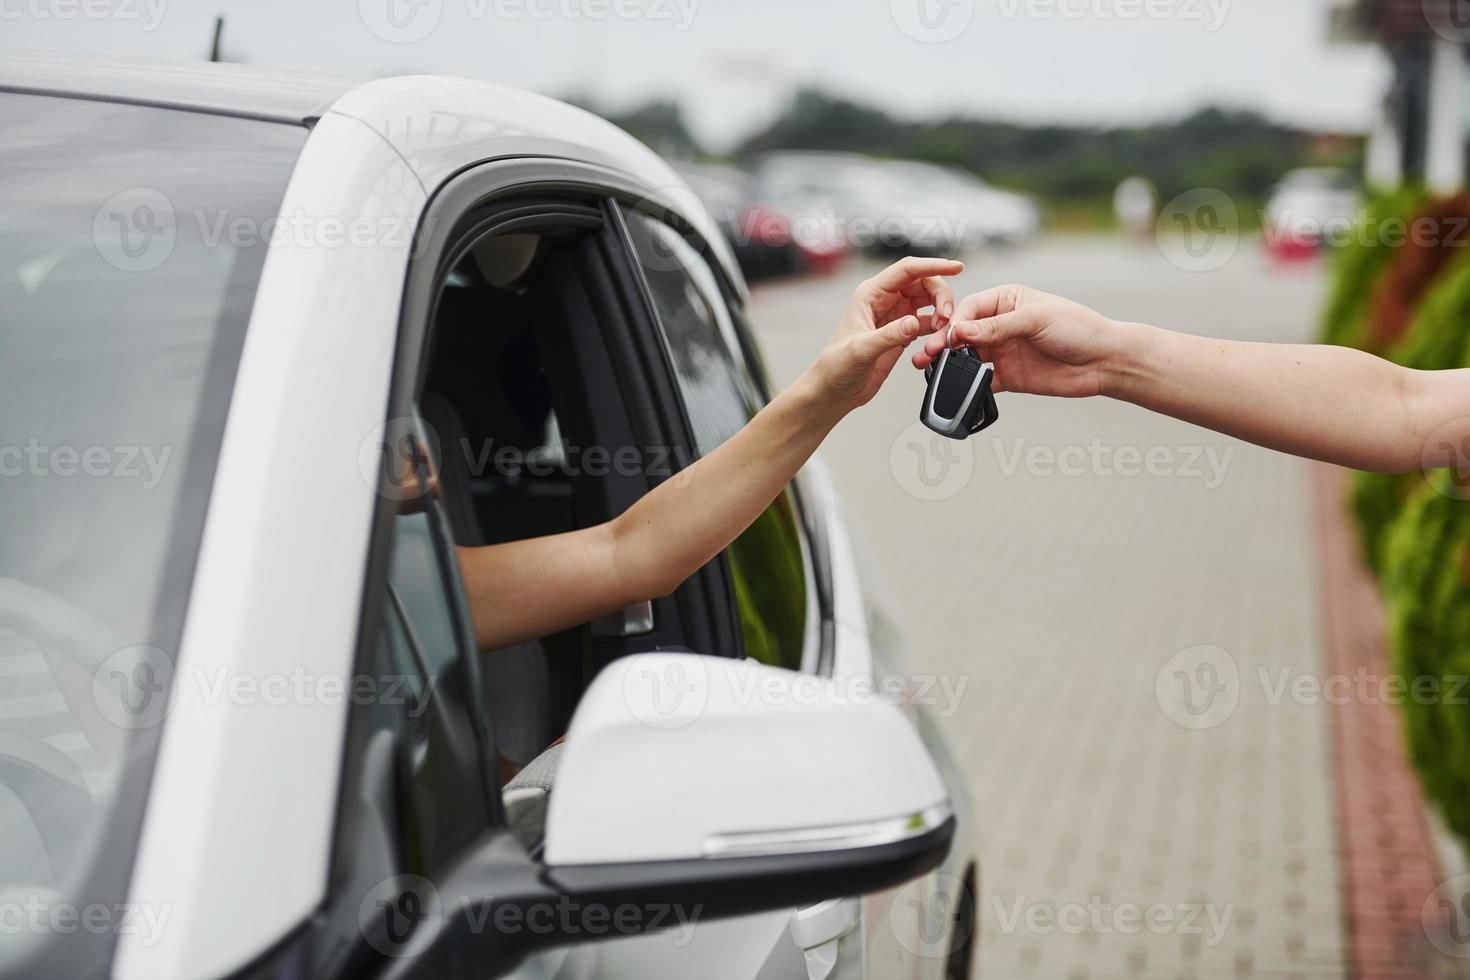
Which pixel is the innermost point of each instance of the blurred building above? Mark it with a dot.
(1419, 131)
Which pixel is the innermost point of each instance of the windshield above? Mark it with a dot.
(130, 248)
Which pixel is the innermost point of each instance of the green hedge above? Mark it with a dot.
(1358, 265)
(1415, 528)
(1427, 580)
(1437, 340)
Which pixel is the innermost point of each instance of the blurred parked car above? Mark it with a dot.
(770, 236)
(899, 206)
(242, 711)
(1310, 208)
(979, 213)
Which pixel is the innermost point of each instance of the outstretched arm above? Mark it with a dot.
(1329, 403)
(525, 589)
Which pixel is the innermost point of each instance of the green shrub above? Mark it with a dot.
(1438, 339)
(1356, 266)
(1427, 580)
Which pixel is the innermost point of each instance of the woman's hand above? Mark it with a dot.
(1040, 344)
(883, 317)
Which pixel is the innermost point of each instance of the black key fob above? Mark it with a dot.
(958, 401)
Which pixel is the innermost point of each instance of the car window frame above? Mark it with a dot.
(819, 628)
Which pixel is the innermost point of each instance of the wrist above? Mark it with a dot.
(1128, 359)
(817, 398)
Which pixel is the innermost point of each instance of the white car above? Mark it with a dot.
(244, 731)
(978, 213)
(1312, 206)
(865, 200)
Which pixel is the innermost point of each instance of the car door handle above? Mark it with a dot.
(817, 928)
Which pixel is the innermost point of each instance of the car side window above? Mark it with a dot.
(766, 563)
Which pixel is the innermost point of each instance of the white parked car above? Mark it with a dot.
(979, 213)
(244, 730)
(1312, 206)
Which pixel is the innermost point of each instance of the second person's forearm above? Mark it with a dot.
(1329, 403)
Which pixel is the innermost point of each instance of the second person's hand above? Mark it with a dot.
(1040, 344)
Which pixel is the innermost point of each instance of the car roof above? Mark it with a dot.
(232, 90)
(438, 124)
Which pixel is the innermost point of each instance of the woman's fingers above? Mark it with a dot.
(932, 291)
(913, 271)
(896, 334)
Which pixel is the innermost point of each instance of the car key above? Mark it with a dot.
(958, 401)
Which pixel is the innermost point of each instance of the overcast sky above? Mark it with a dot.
(732, 62)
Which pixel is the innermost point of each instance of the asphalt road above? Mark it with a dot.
(1077, 567)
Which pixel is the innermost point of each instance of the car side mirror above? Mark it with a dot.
(694, 788)
(675, 758)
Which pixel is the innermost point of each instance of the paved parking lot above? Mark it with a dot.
(1097, 572)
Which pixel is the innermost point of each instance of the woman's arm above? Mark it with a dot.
(1329, 403)
(525, 589)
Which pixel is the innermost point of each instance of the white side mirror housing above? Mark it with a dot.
(682, 757)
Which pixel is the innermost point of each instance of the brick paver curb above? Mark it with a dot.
(1388, 860)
